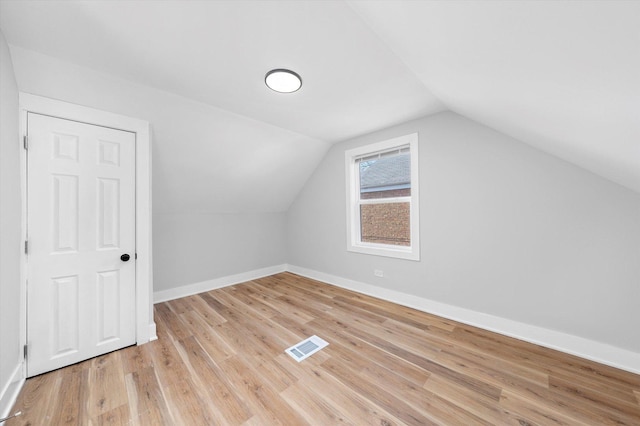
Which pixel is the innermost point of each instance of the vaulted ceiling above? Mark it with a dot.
(563, 76)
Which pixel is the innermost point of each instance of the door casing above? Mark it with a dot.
(145, 326)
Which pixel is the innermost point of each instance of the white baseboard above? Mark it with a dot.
(191, 289)
(152, 332)
(574, 345)
(10, 391)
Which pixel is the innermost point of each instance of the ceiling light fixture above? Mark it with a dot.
(282, 80)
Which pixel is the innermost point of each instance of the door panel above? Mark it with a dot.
(65, 322)
(65, 213)
(80, 220)
(108, 306)
(108, 213)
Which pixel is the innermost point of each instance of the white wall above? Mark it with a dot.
(241, 242)
(208, 165)
(505, 230)
(10, 222)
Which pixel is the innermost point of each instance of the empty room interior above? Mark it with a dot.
(319, 212)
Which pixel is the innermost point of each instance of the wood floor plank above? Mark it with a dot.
(617, 392)
(600, 396)
(409, 341)
(577, 409)
(210, 316)
(567, 403)
(355, 311)
(377, 394)
(38, 399)
(235, 307)
(527, 412)
(243, 294)
(219, 360)
(448, 345)
(150, 404)
(345, 399)
(270, 297)
(428, 403)
(271, 372)
(68, 410)
(105, 384)
(303, 300)
(314, 287)
(211, 380)
(429, 365)
(314, 410)
(136, 358)
(181, 306)
(284, 308)
(207, 336)
(116, 416)
(174, 327)
(167, 363)
(476, 404)
(400, 366)
(187, 405)
(544, 358)
(486, 370)
(260, 396)
(399, 313)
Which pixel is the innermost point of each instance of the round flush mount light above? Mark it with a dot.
(282, 80)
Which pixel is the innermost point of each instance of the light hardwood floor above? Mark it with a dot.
(219, 360)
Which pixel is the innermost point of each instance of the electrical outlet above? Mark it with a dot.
(378, 273)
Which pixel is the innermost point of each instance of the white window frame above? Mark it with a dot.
(354, 240)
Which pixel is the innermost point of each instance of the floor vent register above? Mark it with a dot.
(306, 348)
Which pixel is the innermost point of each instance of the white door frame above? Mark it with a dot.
(145, 326)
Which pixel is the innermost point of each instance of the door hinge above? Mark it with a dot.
(25, 351)
(26, 247)
(25, 142)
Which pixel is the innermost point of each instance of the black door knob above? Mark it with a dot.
(125, 257)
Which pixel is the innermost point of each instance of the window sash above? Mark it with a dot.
(389, 200)
(382, 153)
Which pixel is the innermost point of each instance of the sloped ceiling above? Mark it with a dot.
(562, 76)
(218, 52)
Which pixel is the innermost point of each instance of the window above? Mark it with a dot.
(382, 198)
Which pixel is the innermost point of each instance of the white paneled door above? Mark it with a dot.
(81, 241)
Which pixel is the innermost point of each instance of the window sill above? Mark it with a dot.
(407, 253)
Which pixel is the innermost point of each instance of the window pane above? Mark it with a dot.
(386, 223)
(385, 176)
